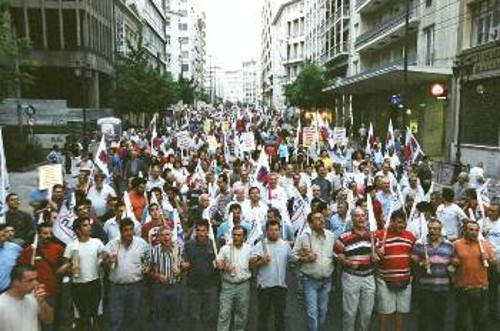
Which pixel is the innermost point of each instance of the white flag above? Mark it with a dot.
(372, 222)
(101, 157)
(4, 180)
(63, 226)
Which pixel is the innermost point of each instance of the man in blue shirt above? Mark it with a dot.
(8, 257)
(225, 229)
(271, 256)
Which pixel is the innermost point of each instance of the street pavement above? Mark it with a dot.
(23, 183)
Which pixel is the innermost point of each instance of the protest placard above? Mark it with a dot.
(49, 175)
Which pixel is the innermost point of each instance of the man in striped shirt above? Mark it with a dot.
(166, 260)
(354, 249)
(393, 280)
(433, 255)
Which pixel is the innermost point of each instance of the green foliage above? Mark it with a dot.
(186, 90)
(139, 86)
(306, 91)
(20, 151)
(15, 67)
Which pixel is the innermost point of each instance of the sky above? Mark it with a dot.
(233, 31)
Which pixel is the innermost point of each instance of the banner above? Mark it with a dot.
(247, 142)
(225, 126)
(101, 157)
(339, 136)
(308, 136)
(63, 226)
(4, 180)
(49, 175)
(183, 139)
(212, 143)
(207, 125)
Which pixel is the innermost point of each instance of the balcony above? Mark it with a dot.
(368, 6)
(342, 13)
(334, 53)
(387, 31)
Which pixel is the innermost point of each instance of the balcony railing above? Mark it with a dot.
(382, 28)
(412, 60)
(360, 3)
(333, 52)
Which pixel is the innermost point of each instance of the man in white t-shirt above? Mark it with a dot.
(451, 215)
(99, 194)
(83, 258)
(24, 303)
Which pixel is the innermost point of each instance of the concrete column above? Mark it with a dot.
(61, 25)
(44, 25)
(26, 19)
(93, 91)
(78, 24)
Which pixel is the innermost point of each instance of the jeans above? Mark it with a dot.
(125, 303)
(316, 292)
(274, 297)
(202, 304)
(358, 294)
(473, 303)
(433, 306)
(86, 297)
(234, 298)
(168, 303)
(494, 281)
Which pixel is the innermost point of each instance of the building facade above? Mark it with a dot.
(73, 46)
(476, 102)
(251, 83)
(401, 49)
(232, 86)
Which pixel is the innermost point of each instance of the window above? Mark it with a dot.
(183, 26)
(185, 67)
(355, 67)
(428, 3)
(183, 13)
(429, 45)
(486, 22)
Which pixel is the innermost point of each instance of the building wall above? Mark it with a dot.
(66, 35)
(251, 82)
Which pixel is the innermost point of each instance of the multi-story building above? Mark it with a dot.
(128, 26)
(73, 46)
(289, 26)
(270, 60)
(251, 82)
(232, 85)
(476, 101)
(393, 51)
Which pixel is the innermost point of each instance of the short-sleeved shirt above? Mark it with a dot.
(239, 258)
(451, 217)
(130, 260)
(8, 257)
(89, 257)
(18, 314)
(470, 271)
(201, 272)
(274, 273)
(439, 259)
(395, 266)
(357, 248)
(48, 259)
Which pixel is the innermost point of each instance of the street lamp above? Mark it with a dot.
(461, 74)
(85, 73)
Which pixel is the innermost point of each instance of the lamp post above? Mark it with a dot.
(461, 74)
(85, 73)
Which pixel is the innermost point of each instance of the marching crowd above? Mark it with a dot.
(166, 231)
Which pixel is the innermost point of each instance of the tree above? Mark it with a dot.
(307, 90)
(16, 69)
(187, 90)
(139, 86)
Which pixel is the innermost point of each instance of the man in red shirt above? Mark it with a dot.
(150, 229)
(48, 259)
(394, 248)
(137, 197)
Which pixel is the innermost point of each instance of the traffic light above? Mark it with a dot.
(439, 91)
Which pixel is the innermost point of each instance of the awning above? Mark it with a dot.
(388, 78)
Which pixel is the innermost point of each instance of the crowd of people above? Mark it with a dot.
(160, 232)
